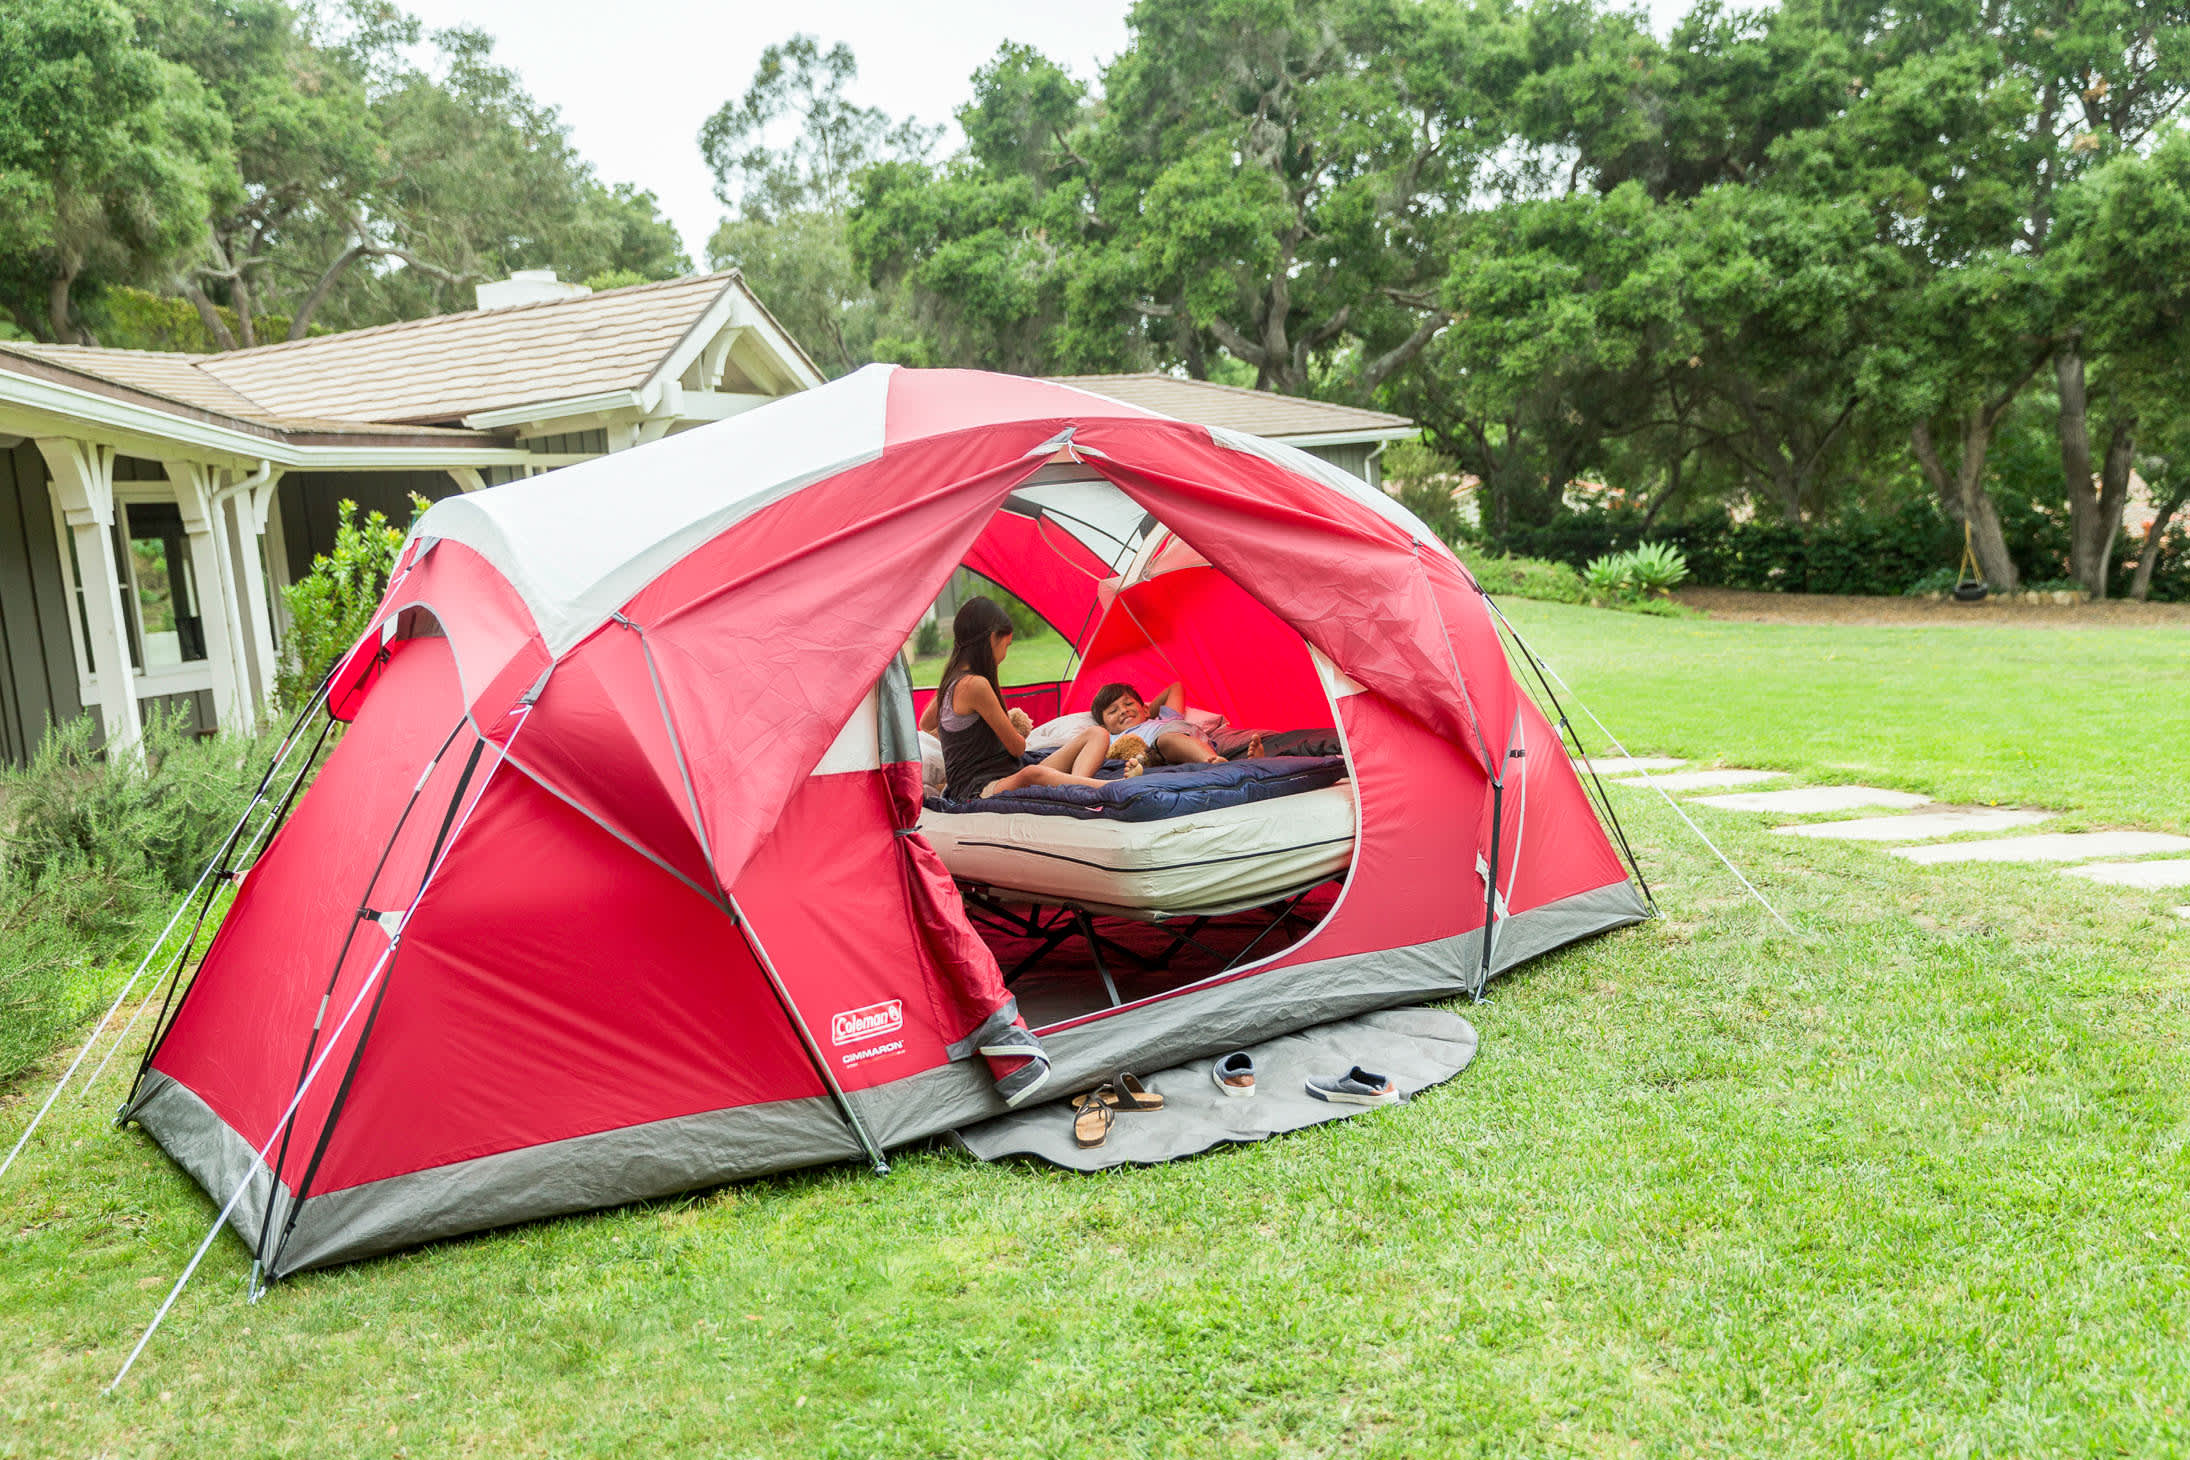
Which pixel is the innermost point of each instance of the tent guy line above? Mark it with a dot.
(334, 1040)
(1614, 742)
(281, 755)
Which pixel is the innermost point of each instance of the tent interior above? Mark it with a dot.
(1135, 603)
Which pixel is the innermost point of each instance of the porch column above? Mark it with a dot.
(251, 499)
(83, 487)
(195, 485)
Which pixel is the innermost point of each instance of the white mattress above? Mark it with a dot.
(1211, 861)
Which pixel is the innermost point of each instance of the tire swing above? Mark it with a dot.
(1969, 585)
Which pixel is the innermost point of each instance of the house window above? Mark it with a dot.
(168, 626)
(157, 602)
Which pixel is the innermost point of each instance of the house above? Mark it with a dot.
(153, 506)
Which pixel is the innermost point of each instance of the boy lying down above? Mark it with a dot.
(1141, 732)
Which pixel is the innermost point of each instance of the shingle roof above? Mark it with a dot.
(1257, 412)
(448, 365)
(422, 371)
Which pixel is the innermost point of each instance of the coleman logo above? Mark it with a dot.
(875, 1020)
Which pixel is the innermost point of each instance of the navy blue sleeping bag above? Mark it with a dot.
(1167, 791)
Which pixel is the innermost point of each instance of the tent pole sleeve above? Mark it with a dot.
(1490, 880)
(342, 955)
(341, 1098)
(744, 925)
(182, 958)
(170, 1003)
(805, 1034)
(1603, 797)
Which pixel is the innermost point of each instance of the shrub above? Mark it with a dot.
(331, 605)
(95, 853)
(1527, 578)
(1607, 577)
(1656, 567)
(930, 640)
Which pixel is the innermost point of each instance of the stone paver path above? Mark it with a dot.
(1926, 826)
(1923, 826)
(2057, 847)
(1704, 780)
(2134, 874)
(1809, 799)
(1627, 765)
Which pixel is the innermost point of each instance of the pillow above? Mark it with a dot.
(1208, 720)
(1052, 734)
(931, 763)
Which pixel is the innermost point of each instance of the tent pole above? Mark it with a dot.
(261, 1257)
(342, 956)
(805, 1034)
(1490, 880)
(176, 994)
(729, 903)
(208, 879)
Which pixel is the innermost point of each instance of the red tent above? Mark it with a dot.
(612, 887)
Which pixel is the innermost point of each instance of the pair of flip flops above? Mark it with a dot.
(1095, 1112)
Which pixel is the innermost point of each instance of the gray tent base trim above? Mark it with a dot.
(1417, 1047)
(687, 1153)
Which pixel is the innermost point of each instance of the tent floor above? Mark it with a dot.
(1142, 958)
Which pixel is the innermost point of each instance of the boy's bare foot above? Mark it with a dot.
(1135, 764)
(1254, 746)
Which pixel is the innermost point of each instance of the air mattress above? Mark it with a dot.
(1164, 791)
(1200, 862)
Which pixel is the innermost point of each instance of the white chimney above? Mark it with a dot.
(528, 286)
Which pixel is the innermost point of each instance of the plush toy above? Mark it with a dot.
(1131, 749)
(1021, 721)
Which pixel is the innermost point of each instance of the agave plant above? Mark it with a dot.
(1609, 576)
(1655, 567)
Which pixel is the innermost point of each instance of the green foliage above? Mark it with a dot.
(1505, 577)
(96, 852)
(930, 639)
(1656, 567)
(128, 318)
(111, 159)
(331, 605)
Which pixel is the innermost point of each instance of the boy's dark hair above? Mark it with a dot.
(1109, 695)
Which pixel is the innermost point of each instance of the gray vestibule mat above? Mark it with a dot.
(1417, 1047)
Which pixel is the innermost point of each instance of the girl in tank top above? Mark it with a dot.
(981, 746)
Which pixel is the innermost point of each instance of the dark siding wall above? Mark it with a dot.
(37, 660)
(311, 503)
(1353, 457)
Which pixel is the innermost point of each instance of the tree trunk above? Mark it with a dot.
(301, 321)
(2140, 586)
(216, 328)
(58, 318)
(2089, 535)
(2114, 473)
(1962, 494)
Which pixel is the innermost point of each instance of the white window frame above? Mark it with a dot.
(182, 679)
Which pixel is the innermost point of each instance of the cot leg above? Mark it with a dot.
(1095, 940)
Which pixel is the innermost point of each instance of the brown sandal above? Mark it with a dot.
(1092, 1118)
(1126, 1092)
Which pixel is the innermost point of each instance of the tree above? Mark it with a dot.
(1271, 179)
(787, 231)
(2122, 232)
(110, 159)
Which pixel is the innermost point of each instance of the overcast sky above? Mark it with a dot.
(636, 80)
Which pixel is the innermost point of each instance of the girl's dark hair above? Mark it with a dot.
(978, 620)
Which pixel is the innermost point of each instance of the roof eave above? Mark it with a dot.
(33, 404)
(1352, 438)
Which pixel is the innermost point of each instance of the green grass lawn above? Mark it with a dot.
(1912, 1181)
(1039, 660)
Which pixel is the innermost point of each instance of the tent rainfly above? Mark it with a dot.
(612, 885)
